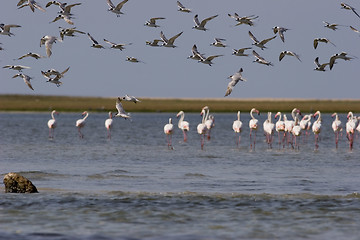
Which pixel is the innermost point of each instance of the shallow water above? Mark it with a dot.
(134, 187)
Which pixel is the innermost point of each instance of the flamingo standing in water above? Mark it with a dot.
(80, 123)
(108, 125)
(337, 128)
(296, 131)
(253, 125)
(201, 128)
(52, 124)
(183, 125)
(305, 123)
(168, 130)
(280, 128)
(209, 121)
(237, 125)
(316, 128)
(289, 124)
(268, 126)
(350, 128)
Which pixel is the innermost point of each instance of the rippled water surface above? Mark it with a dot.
(134, 187)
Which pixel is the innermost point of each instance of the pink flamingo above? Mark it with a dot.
(253, 125)
(280, 128)
(183, 125)
(201, 128)
(268, 126)
(108, 125)
(316, 128)
(296, 131)
(337, 128)
(80, 123)
(237, 127)
(52, 124)
(350, 128)
(168, 130)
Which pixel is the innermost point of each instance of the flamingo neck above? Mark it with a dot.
(293, 113)
(319, 118)
(251, 113)
(87, 114)
(52, 115)
(182, 116)
(238, 115)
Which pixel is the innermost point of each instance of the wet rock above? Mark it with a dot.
(15, 183)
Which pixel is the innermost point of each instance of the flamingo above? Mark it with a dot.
(289, 124)
(183, 125)
(201, 128)
(253, 125)
(350, 128)
(337, 128)
(80, 123)
(316, 128)
(209, 121)
(280, 127)
(52, 124)
(305, 123)
(168, 130)
(108, 125)
(296, 131)
(237, 125)
(268, 126)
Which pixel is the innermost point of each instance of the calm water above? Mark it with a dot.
(134, 187)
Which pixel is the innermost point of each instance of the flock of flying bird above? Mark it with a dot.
(65, 13)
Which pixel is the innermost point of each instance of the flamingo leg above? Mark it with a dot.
(109, 134)
(208, 134)
(202, 139)
(250, 138)
(185, 135)
(80, 134)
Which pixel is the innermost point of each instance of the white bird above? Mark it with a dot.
(64, 8)
(305, 123)
(119, 46)
(57, 76)
(209, 121)
(268, 127)
(116, 9)
(240, 52)
(80, 123)
(289, 124)
(30, 54)
(154, 43)
(48, 41)
(336, 127)
(253, 125)
(218, 42)
(235, 78)
(261, 60)
(296, 131)
(16, 67)
(66, 18)
(342, 55)
(281, 31)
(201, 127)
(332, 26)
(350, 128)
(348, 7)
(181, 8)
(169, 42)
(288, 53)
(316, 128)
(152, 22)
(26, 79)
(130, 98)
(52, 124)
(183, 125)
(260, 44)
(323, 40)
(237, 127)
(108, 125)
(195, 54)
(168, 130)
(320, 67)
(95, 43)
(31, 3)
(247, 20)
(5, 29)
(201, 25)
(280, 128)
(121, 112)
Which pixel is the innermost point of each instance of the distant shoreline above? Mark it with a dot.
(42, 103)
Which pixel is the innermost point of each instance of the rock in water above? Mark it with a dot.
(15, 183)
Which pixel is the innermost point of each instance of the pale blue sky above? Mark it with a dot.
(167, 72)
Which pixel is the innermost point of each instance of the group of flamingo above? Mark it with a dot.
(289, 130)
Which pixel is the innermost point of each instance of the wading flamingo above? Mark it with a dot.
(289, 124)
(350, 128)
(280, 128)
(80, 123)
(337, 128)
(183, 125)
(305, 123)
(316, 128)
(209, 121)
(237, 127)
(296, 131)
(52, 124)
(108, 125)
(253, 125)
(201, 128)
(268, 126)
(168, 130)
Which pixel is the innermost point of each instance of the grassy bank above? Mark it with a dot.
(74, 104)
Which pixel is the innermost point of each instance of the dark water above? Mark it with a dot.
(134, 187)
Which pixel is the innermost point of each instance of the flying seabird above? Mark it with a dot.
(16, 67)
(95, 43)
(26, 79)
(30, 54)
(182, 8)
(260, 59)
(218, 42)
(69, 32)
(289, 53)
(324, 40)
(152, 22)
(130, 98)
(31, 3)
(201, 26)
(154, 43)
(262, 43)
(116, 9)
(195, 54)
(320, 67)
(119, 46)
(48, 42)
(348, 7)
(240, 52)
(208, 60)
(5, 29)
(342, 55)
(235, 78)
(281, 31)
(121, 112)
(169, 42)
